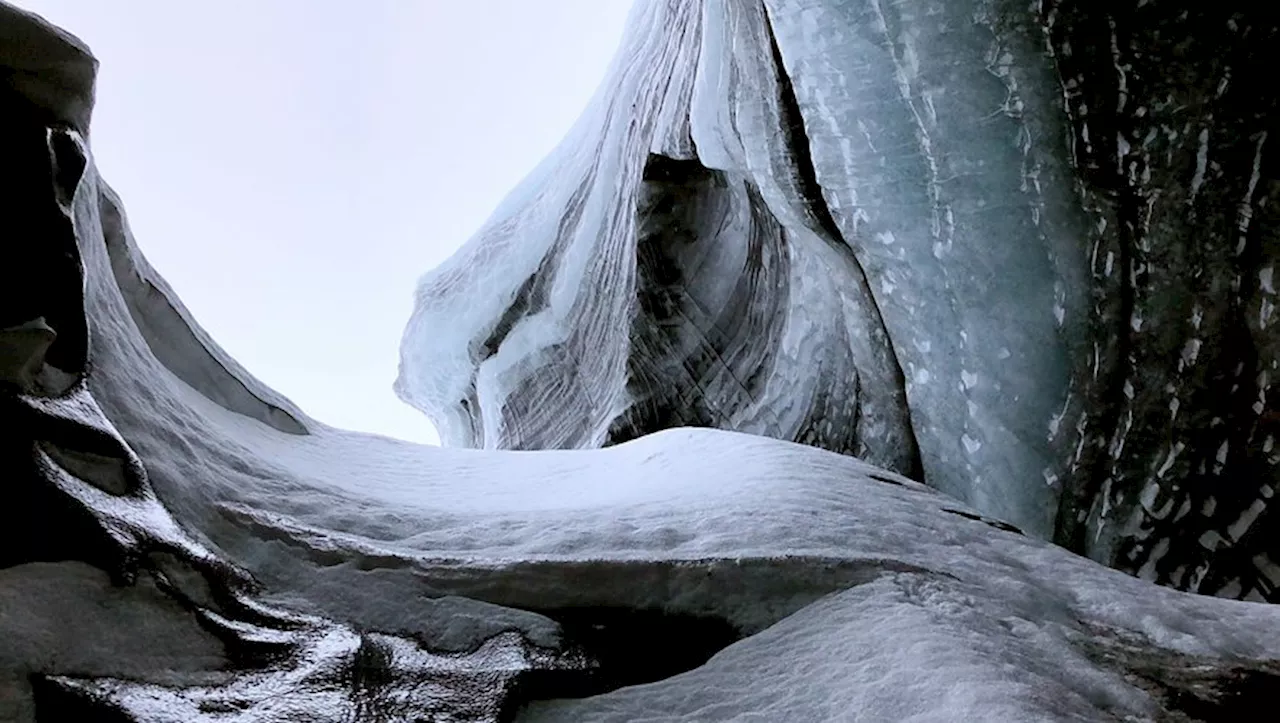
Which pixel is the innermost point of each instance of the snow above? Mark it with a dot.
(901, 648)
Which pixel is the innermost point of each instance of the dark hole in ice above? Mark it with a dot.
(1234, 694)
(629, 647)
(682, 208)
(109, 473)
(372, 667)
(39, 522)
(1188, 688)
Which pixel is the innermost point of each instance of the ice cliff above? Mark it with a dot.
(1022, 252)
(181, 543)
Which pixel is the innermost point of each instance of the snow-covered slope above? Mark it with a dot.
(181, 544)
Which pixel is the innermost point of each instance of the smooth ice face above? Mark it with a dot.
(958, 240)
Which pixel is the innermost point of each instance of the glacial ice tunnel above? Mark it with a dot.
(1021, 254)
(848, 359)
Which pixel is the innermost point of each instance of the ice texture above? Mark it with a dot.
(633, 284)
(181, 543)
(1022, 253)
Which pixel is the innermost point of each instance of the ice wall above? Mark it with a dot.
(790, 231)
(1020, 251)
(633, 283)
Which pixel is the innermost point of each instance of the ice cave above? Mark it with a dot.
(848, 361)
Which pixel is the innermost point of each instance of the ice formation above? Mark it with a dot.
(1021, 252)
(181, 543)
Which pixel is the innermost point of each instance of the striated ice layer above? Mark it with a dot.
(939, 151)
(666, 266)
(775, 220)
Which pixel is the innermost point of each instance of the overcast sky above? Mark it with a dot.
(293, 166)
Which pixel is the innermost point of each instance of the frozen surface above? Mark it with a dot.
(748, 529)
(783, 540)
(399, 580)
(765, 243)
(902, 648)
(1021, 252)
(633, 284)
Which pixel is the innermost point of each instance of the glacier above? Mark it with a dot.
(1018, 252)
(741, 233)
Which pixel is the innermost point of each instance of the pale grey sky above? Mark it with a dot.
(293, 166)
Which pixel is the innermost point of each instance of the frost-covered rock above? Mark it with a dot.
(1022, 252)
(181, 543)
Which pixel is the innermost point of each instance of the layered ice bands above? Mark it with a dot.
(1021, 252)
(787, 219)
(672, 263)
(710, 247)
